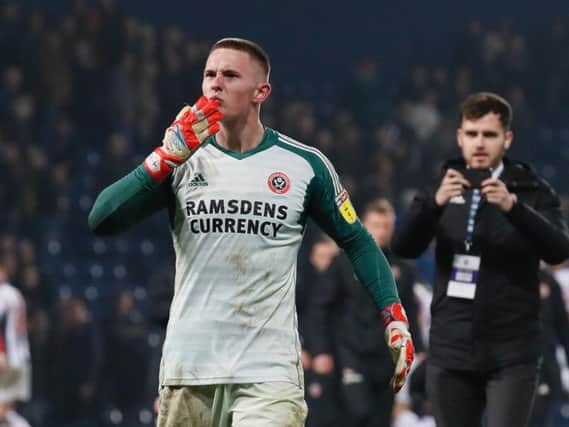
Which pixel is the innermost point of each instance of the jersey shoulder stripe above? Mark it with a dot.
(287, 140)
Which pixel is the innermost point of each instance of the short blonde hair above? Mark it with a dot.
(380, 206)
(244, 45)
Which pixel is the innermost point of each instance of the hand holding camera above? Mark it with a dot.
(494, 190)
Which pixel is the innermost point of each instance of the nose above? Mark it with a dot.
(479, 141)
(217, 82)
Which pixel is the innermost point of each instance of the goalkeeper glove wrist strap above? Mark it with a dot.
(394, 313)
(159, 164)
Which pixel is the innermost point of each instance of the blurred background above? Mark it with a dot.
(87, 88)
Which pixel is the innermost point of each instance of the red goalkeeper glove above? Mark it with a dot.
(399, 343)
(192, 126)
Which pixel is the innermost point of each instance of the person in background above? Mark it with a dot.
(126, 335)
(493, 219)
(15, 362)
(555, 327)
(347, 334)
(76, 367)
(322, 397)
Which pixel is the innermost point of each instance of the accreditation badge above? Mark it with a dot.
(346, 208)
(463, 276)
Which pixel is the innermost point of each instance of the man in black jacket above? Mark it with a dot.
(346, 333)
(491, 233)
(555, 333)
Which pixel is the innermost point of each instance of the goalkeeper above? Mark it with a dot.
(239, 195)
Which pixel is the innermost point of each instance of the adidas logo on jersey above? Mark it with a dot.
(198, 181)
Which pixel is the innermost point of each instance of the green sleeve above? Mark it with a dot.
(127, 202)
(372, 268)
(326, 201)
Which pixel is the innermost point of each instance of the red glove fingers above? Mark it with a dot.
(209, 131)
(192, 126)
(403, 364)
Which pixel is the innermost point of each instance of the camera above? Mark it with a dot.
(476, 176)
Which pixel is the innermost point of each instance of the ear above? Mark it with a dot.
(509, 139)
(262, 93)
(459, 137)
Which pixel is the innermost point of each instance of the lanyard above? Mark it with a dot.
(476, 197)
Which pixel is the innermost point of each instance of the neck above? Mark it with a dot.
(240, 136)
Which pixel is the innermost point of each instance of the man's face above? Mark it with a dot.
(234, 79)
(483, 141)
(322, 254)
(380, 226)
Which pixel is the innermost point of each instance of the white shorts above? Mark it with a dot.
(15, 385)
(13, 419)
(275, 404)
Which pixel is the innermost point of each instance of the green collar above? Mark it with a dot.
(267, 141)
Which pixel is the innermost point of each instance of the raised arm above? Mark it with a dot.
(127, 202)
(146, 189)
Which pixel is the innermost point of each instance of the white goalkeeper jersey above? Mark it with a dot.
(15, 379)
(238, 223)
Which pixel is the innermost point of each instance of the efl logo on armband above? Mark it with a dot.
(345, 207)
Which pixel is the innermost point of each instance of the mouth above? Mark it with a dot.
(216, 98)
(480, 156)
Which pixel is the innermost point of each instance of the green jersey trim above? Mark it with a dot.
(289, 142)
(266, 142)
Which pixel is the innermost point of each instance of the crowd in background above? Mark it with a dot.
(85, 96)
